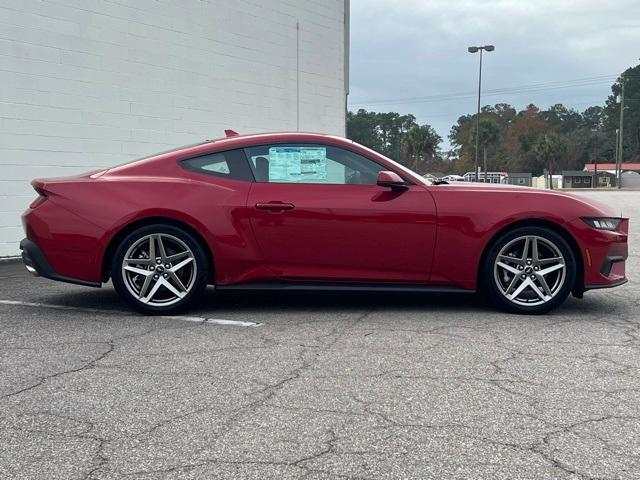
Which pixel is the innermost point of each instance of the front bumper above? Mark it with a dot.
(613, 271)
(604, 254)
(37, 264)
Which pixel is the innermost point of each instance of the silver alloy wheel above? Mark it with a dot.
(529, 270)
(159, 269)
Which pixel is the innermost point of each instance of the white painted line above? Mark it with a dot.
(58, 307)
(212, 321)
(215, 321)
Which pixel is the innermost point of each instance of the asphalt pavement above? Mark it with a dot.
(319, 386)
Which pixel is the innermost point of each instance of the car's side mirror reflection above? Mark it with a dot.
(391, 180)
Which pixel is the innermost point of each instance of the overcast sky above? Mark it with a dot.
(547, 52)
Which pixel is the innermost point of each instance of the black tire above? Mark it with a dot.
(177, 238)
(496, 281)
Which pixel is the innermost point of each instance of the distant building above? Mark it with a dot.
(606, 179)
(611, 167)
(453, 178)
(524, 179)
(431, 177)
(583, 179)
(543, 181)
(630, 179)
(434, 176)
(576, 179)
(491, 177)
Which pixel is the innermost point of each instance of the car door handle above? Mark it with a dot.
(275, 206)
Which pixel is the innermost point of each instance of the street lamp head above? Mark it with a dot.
(489, 48)
(473, 49)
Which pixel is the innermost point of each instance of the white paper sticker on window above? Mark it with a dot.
(297, 164)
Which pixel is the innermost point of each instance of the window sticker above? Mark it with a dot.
(297, 164)
(313, 162)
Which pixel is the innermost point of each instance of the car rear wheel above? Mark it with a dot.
(529, 270)
(159, 269)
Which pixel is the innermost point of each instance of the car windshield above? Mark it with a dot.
(413, 175)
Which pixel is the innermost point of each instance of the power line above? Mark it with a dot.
(533, 87)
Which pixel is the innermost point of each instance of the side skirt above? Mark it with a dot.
(341, 287)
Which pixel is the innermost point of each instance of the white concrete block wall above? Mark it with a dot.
(87, 84)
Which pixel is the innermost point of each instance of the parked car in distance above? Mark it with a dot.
(312, 211)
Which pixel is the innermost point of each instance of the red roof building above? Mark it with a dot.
(611, 167)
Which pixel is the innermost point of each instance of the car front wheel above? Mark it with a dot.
(529, 270)
(159, 269)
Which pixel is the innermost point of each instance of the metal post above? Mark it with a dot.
(620, 138)
(595, 172)
(484, 163)
(616, 156)
(478, 122)
(488, 48)
(595, 163)
(297, 76)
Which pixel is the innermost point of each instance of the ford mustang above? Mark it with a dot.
(312, 211)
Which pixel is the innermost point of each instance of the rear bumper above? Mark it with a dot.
(36, 263)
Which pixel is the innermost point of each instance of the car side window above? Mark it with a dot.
(229, 164)
(311, 163)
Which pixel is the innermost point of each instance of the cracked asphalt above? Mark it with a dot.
(331, 386)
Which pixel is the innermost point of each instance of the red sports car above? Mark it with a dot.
(310, 211)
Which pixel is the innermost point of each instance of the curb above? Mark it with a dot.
(5, 260)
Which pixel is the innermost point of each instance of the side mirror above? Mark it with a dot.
(391, 180)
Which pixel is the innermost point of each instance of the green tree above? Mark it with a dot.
(362, 128)
(593, 118)
(564, 119)
(631, 129)
(501, 114)
(421, 146)
(490, 136)
(380, 131)
(550, 150)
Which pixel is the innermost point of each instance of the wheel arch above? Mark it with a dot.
(156, 219)
(577, 288)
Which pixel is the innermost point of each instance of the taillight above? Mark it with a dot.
(40, 199)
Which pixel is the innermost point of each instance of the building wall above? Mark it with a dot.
(576, 182)
(519, 180)
(87, 84)
(630, 180)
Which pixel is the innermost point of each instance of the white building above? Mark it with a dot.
(491, 177)
(87, 84)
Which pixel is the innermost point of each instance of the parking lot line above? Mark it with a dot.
(210, 321)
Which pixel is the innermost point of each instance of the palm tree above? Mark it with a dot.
(550, 150)
(420, 145)
(490, 136)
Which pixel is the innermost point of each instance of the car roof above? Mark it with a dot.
(164, 167)
(241, 141)
(268, 137)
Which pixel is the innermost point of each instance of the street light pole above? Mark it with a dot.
(478, 124)
(488, 48)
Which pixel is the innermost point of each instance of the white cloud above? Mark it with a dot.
(413, 48)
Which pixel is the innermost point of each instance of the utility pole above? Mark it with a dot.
(616, 156)
(620, 137)
(595, 164)
(484, 155)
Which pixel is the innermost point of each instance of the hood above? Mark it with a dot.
(591, 207)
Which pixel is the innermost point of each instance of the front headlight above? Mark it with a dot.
(602, 223)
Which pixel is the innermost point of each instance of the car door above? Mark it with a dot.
(318, 214)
